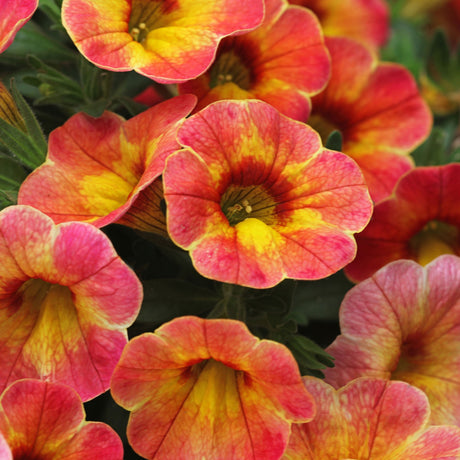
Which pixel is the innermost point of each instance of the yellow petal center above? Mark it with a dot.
(239, 203)
(51, 312)
(435, 239)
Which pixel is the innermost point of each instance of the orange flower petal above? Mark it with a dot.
(213, 389)
(255, 198)
(66, 300)
(46, 420)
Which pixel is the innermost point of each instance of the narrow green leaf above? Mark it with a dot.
(21, 146)
(12, 174)
(32, 125)
(8, 198)
(309, 356)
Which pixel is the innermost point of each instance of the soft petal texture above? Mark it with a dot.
(66, 300)
(213, 390)
(47, 421)
(5, 451)
(366, 21)
(425, 198)
(377, 108)
(97, 177)
(14, 14)
(282, 62)
(169, 41)
(371, 419)
(404, 323)
(255, 198)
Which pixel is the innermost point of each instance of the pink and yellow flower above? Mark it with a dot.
(66, 300)
(420, 221)
(168, 41)
(96, 177)
(366, 21)
(14, 14)
(256, 198)
(46, 421)
(213, 391)
(282, 62)
(371, 419)
(377, 108)
(404, 324)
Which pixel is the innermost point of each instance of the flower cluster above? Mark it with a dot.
(172, 239)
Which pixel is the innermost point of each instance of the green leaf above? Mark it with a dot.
(310, 357)
(51, 9)
(438, 148)
(32, 125)
(12, 174)
(32, 40)
(334, 141)
(406, 46)
(8, 198)
(21, 146)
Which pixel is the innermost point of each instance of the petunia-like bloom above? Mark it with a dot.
(255, 197)
(420, 221)
(403, 323)
(168, 41)
(371, 419)
(282, 62)
(13, 15)
(66, 300)
(377, 108)
(212, 389)
(96, 177)
(46, 421)
(366, 21)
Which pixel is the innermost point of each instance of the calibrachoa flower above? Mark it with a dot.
(371, 419)
(202, 388)
(96, 177)
(14, 14)
(377, 108)
(366, 21)
(66, 300)
(166, 40)
(404, 324)
(420, 221)
(46, 421)
(282, 62)
(256, 198)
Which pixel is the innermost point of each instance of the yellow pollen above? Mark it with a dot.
(142, 26)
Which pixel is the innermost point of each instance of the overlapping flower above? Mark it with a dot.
(166, 40)
(255, 197)
(66, 300)
(97, 177)
(403, 323)
(378, 110)
(420, 221)
(43, 420)
(373, 419)
(212, 389)
(282, 62)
